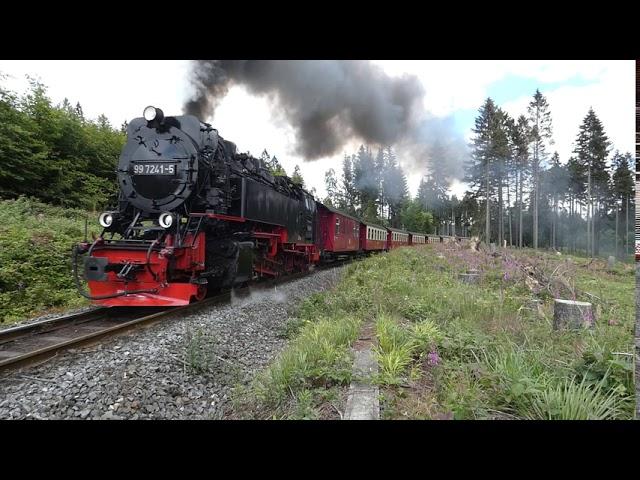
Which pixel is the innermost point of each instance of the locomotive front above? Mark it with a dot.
(152, 250)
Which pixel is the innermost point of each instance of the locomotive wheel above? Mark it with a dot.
(202, 292)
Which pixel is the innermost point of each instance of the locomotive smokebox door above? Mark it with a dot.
(245, 262)
(94, 269)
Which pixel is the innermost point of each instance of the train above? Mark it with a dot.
(194, 217)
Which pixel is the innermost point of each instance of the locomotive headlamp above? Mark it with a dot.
(153, 114)
(106, 219)
(165, 220)
(150, 113)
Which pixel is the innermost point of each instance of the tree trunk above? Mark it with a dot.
(510, 213)
(616, 230)
(626, 229)
(500, 212)
(535, 196)
(487, 229)
(520, 213)
(590, 215)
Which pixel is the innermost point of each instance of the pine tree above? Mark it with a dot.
(331, 185)
(366, 181)
(79, 112)
(520, 140)
(557, 183)
(480, 166)
(349, 192)
(379, 166)
(297, 176)
(541, 130)
(395, 187)
(577, 179)
(622, 187)
(592, 150)
(265, 159)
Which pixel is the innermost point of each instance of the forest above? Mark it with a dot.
(519, 190)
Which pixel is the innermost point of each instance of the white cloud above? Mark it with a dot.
(611, 98)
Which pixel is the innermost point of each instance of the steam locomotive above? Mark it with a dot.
(194, 216)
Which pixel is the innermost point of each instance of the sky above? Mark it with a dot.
(120, 89)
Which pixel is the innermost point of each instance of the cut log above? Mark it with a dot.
(473, 271)
(469, 277)
(572, 314)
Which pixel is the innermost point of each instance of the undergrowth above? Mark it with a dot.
(35, 257)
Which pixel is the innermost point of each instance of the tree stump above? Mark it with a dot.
(492, 247)
(572, 314)
(611, 262)
(469, 278)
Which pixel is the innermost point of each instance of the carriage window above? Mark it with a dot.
(337, 226)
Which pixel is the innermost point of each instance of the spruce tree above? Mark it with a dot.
(297, 176)
(482, 161)
(622, 187)
(592, 150)
(541, 130)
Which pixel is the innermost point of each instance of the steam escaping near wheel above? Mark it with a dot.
(255, 296)
(331, 102)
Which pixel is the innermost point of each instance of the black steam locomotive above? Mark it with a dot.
(194, 216)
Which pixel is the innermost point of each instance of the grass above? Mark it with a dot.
(451, 350)
(35, 257)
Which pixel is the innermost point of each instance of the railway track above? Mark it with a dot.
(37, 342)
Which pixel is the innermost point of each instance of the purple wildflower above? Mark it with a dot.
(433, 358)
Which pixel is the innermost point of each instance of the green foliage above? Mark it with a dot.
(35, 257)
(54, 154)
(415, 218)
(569, 400)
(197, 351)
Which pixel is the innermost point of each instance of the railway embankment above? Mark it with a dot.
(451, 349)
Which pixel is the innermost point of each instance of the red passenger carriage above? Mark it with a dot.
(373, 237)
(397, 238)
(339, 233)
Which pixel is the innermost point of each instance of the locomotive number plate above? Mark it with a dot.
(154, 169)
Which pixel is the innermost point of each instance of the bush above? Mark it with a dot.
(35, 257)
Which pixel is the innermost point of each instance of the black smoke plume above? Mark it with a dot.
(327, 102)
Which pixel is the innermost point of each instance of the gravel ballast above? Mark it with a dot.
(180, 368)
